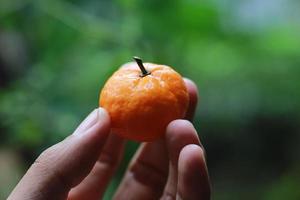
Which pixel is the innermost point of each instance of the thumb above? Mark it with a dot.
(64, 165)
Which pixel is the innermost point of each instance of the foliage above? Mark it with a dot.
(244, 56)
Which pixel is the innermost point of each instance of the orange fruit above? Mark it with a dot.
(142, 99)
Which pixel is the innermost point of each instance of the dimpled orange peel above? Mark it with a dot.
(143, 98)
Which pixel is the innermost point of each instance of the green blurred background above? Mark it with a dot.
(244, 56)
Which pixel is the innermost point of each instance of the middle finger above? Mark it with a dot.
(146, 174)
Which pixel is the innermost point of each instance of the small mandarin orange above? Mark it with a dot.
(143, 98)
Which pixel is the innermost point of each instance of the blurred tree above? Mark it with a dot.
(244, 55)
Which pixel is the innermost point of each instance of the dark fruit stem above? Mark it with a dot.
(140, 64)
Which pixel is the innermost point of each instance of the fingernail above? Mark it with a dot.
(102, 114)
(88, 122)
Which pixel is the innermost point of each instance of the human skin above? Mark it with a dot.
(81, 166)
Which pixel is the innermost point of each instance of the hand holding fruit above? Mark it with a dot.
(81, 166)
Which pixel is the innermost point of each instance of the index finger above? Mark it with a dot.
(193, 95)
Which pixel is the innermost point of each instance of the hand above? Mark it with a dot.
(81, 166)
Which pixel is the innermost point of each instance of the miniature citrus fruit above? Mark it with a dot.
(143, 98)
